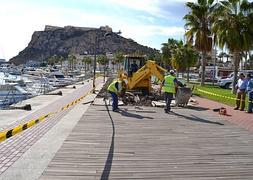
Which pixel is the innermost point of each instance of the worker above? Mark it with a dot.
(115, 89)
(250, 92)
(169, 85)
(134, 67)
(241, 92)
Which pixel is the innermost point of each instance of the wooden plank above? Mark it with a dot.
(149, 144)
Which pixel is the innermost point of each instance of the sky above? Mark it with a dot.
(148, 22)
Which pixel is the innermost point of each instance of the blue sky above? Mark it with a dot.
(148, 22)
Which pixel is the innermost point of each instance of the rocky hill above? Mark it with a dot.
(75, 40)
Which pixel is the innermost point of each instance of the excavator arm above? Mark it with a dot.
(137, 77)
(145, 73)
(156, 70)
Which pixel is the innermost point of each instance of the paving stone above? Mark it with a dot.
(240, 118)
(27, 138)
(2, 169)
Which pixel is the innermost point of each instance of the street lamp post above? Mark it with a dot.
(94, 65)
(214, 59)
(97, 39)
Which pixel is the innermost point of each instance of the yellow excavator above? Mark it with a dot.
(138, 72)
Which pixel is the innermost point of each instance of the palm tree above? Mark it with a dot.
(250, 61)
(191, 58)
(119, 56)
(52, 60)
(72, 61)
(234, 29)
(103, 60)
(61, 59)
(178, 58)
(198, 23)
(184, 57)
(167, 50)
(87, 61)
(158, 58)
(166, 55)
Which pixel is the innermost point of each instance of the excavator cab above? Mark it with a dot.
(132, 64)
(137, 71)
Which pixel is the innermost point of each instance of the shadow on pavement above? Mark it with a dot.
(88, 102)
(195, 118)
(138, 111)
(196, 108)
(109, 160)
(145, 111)
(137, 116)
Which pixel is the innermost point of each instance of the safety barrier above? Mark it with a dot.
(218, 95)
(9, 133)
(18, 129)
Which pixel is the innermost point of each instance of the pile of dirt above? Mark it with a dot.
(140, 100)
(131, 98)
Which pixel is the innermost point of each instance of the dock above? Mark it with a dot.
(92, 142)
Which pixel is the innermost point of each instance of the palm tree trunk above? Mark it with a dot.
(236, 67)
(203, 68)
(250, 60)
(188, 72)
(104, 73)
(85, 68)
(245, 57)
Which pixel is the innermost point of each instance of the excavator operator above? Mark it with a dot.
(134, 67)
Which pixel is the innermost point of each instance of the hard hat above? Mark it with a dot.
(172, 72)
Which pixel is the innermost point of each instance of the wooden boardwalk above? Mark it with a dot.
(146, 143)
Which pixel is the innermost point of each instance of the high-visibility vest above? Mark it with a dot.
(112, 87)
(169, 85)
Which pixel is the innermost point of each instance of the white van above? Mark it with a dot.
(225, 83)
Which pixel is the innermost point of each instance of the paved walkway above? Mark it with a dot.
(41, 105)
(25, 155)
(241, 118)
(145, 143)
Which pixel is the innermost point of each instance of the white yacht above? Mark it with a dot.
(39, 86)
(57, 78)
(4, 67)
(11, 93)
